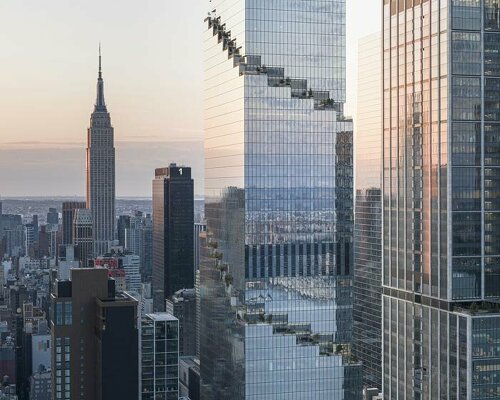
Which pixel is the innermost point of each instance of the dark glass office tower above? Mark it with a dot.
(367, 345)
(173, 219)
(276, 268)
(441, 174)
(68, 214)
(122, 225)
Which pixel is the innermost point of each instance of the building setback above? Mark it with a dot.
(173, 221)
(101, 172)
(440, 191)
(94, 337)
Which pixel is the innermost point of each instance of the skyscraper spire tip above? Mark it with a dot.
(100, 104)
(99, 59)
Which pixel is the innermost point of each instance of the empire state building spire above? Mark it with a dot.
(101, 172)
(100, 104)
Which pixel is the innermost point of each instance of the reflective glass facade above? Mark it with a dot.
(440, 229)
(276, 268)
(367, 344)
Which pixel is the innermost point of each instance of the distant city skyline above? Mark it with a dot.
(154, 87)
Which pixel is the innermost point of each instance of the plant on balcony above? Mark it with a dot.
(228, 278)
(327, 103)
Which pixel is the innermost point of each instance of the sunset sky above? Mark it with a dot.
(153, 74)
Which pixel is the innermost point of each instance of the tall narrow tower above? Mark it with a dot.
(101, 171)
(276, 266)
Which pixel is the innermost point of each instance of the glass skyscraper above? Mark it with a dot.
(367, 332)
(441, 229)
(173, 221)
(276, 268)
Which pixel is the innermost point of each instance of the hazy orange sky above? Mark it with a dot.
(153, 74)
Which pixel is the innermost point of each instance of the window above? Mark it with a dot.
(68, 319)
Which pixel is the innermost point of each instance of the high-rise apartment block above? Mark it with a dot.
(94, 339)
(11, 235)
(173, 221)
(138, 239)
(68, 214)
(101, 172)
(52, 216)
(29, 238)
(276, 274)
(159, 357)
(440, 191)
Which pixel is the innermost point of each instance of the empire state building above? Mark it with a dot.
(101, 171)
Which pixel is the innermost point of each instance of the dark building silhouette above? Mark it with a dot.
(173, 220)
(68, 214)
(117, 348)
(94, 337)
(52, 216)
(123, 224)
(43, 242)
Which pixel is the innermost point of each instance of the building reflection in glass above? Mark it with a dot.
(367, 332)
(276, 269)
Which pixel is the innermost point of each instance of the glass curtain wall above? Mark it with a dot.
(276, 269)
